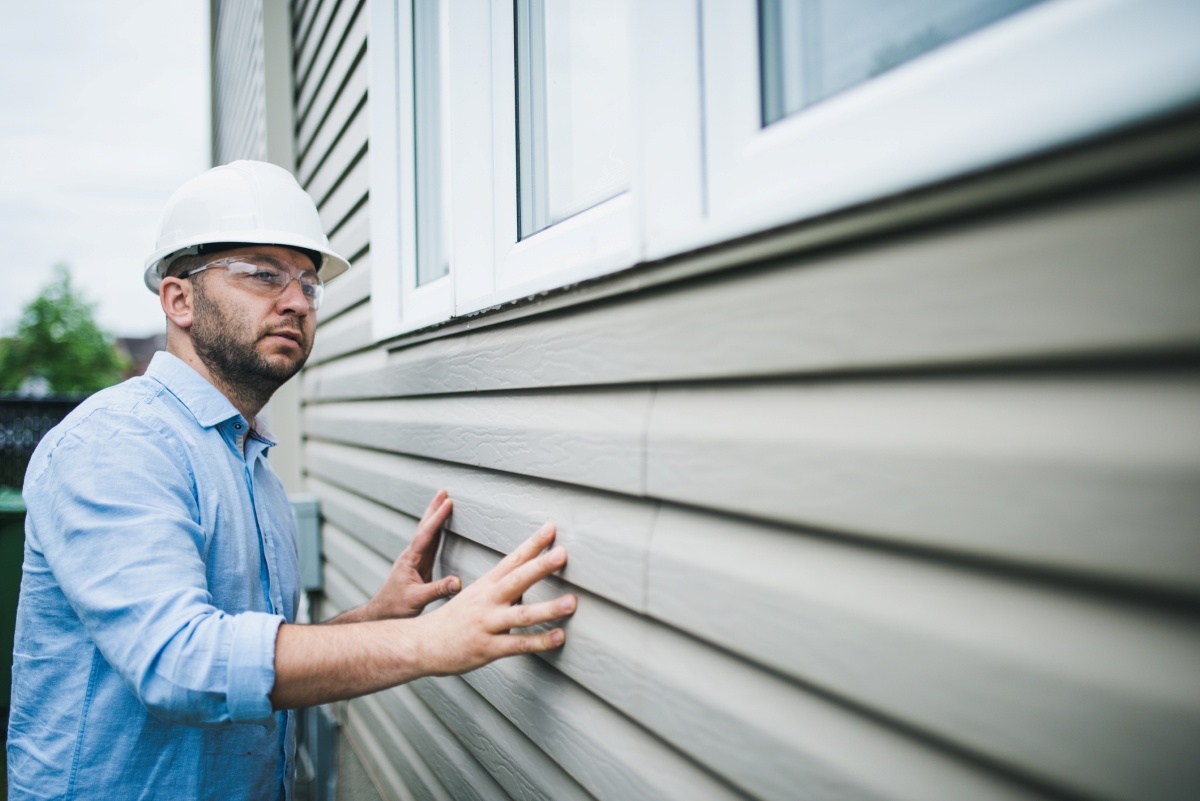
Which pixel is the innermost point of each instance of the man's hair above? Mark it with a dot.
(185, 264)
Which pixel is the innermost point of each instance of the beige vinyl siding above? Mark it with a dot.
(907, 575)
(239, 87)
(907, 511)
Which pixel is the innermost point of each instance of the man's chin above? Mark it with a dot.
(283, 365)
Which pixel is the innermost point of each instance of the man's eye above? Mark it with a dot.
(265, 275)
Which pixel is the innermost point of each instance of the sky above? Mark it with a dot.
(104, 112)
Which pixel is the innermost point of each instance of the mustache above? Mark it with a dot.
(294, 331)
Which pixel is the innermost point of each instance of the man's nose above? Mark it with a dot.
(293, 297)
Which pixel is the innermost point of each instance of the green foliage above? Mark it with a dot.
(58, 339)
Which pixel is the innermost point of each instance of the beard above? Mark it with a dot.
(228, 345)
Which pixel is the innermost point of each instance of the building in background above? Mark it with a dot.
(851, 346)
(140, 350)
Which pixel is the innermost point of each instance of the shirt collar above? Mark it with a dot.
(202, 399)
(260, 430)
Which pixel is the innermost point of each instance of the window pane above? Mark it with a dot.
(573, 116)
(812, 49)
(431, 255)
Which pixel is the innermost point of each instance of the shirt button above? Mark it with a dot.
(237, 426)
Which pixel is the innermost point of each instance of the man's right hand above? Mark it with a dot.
(319, 664)
(472, 629)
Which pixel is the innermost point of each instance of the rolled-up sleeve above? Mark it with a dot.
(113, 510)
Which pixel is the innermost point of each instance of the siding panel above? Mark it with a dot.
(350, 146)
(346, 32)
(613, 758)
(351, 192)
(1115, 276)
(1097, 475)
(307, 49)
(350, 289)
(607, 536)
(462, 776)
(349, 332)
(1027, 675)
(353, 237)
(589, 438)
(789, 742)
(240, 104)
(375, 525)
(512, 759)
(314, 144)
(909, 517)
(366, 568)
(388, 756)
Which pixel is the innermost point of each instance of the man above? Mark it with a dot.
(156, 650)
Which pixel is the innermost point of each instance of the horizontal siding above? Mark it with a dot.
(398, 772)
(593, 438)
(347, 291)
(1113, 276)
(1092, 475)
(353, 237)
(239, 104)
(703, 701)
(908, 518)
(314, 36)
(315, 147)
(349, 332)
(349, 147)
(349, 194)
(1030, 676)
(1035, 679)
(511, 758)
(463, 733)
(343, 40)
(455, 766)
(607, 536)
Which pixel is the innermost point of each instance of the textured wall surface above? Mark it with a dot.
(239, 91)
(912, 516)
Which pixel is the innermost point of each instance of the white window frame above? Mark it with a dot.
(706, 169)
(1053, 74)
(398, 305)
(595, 242)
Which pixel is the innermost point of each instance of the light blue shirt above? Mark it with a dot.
(160, 560)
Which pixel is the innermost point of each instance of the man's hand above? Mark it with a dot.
(319, 664)
(473, 628)
(409, 587)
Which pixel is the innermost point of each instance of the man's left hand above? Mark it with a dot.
(409, 587)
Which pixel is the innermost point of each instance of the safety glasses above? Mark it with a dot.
(266, 276)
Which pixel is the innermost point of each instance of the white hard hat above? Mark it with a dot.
(242, 203)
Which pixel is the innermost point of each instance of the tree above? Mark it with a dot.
(58, 340)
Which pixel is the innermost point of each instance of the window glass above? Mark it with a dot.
(812, 49)
(431, 254)
(573, 111)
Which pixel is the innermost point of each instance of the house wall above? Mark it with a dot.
(254, 118)
(897, 504)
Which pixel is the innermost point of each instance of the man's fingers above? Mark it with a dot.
(427, 535)
(434, 519)
(526, 615)
(514, 585)
(524, 552)
(435, 503)
(443, 588)
(513, 644)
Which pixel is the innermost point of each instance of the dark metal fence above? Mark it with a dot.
(23, 423)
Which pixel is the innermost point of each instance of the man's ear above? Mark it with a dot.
(177, 296)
